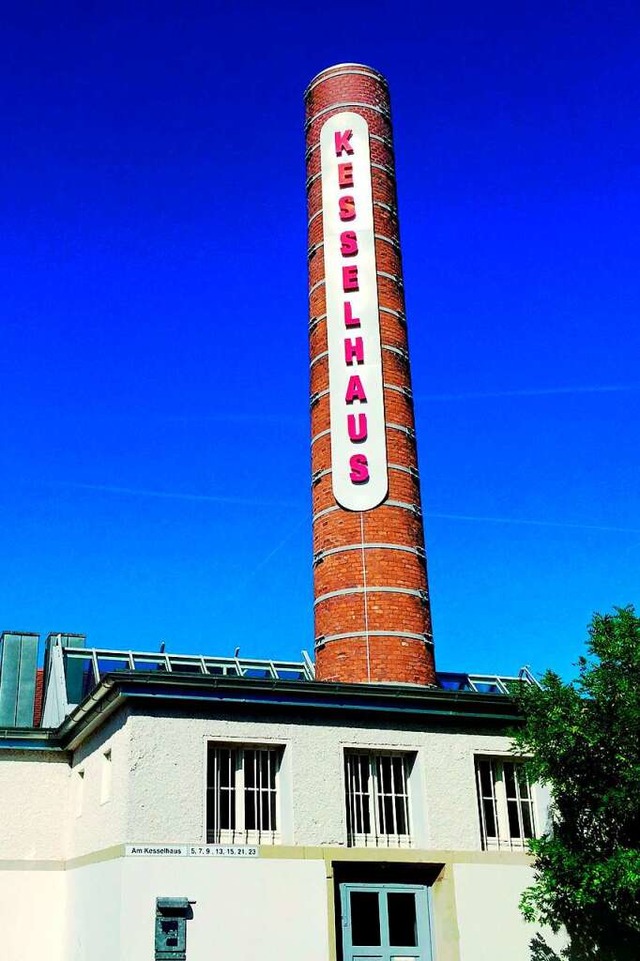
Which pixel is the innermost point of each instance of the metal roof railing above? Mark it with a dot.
(485, 683)
(73, 672)
(105, 661)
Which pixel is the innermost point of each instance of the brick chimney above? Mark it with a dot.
(372, 614)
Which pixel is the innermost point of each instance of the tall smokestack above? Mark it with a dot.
(372, 614)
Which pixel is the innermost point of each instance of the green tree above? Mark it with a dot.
(583, 742)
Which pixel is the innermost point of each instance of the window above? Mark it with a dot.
(242, 796)
(505, 803)
(377, 800)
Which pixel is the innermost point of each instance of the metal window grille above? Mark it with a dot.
(242, 795)
(505, 803)
(377, 800)
(485, 773)
(519, 801)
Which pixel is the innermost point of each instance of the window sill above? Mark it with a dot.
(246, 837)
(380, 841)
(506, 844)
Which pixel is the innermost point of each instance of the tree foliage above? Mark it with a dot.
(583, 742)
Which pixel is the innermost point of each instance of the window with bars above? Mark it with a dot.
(242, 794)
(377, 799)
(505, 802)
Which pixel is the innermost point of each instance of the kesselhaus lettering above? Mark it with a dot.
(356, 395)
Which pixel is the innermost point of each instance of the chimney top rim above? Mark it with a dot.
(346, 67)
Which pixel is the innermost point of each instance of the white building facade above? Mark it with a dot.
(262, 817)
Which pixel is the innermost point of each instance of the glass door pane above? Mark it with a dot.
(365, 918)
(403, 931)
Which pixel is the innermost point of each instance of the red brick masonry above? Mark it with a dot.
(372, 614)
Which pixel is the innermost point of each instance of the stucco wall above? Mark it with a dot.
(273, 910)
(489, 922)
(93, 919)
(32, 914)
(158, 771)
(96, 817)
(167, 778)
(34, 791)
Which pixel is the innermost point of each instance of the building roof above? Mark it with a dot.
(236, 685)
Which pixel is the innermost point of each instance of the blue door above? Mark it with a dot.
(385, 922)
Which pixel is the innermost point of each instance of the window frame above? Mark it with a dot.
(239, 833)
(376, 813)
(504, 804)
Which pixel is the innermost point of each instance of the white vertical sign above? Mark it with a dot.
(358, 441)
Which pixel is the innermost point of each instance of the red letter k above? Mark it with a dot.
(343, 142)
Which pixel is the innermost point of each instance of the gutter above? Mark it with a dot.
(387, 697)
(28, 739)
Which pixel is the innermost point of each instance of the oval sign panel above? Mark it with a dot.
(356, 394)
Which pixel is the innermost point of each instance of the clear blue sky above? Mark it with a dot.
(153, 348)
